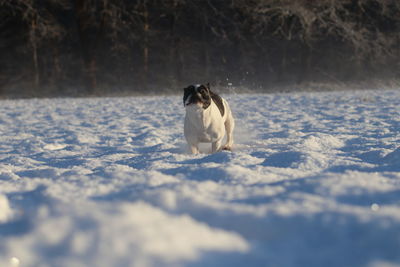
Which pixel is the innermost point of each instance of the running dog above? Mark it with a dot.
(208, 118)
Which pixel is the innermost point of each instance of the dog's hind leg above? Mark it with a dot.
(229, 125)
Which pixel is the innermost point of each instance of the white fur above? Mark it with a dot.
(208, 126)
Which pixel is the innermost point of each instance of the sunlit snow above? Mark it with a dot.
(313, 180)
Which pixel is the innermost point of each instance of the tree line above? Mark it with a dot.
(89, 47)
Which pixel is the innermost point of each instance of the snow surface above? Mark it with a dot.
(314, 180)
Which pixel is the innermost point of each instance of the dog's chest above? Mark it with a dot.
(204, 126)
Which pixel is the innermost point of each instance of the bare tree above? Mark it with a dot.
(90, 21)
(144, 43)
(41, 24)
(309, 22)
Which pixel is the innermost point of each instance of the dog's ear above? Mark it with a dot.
(204, 88)
(186, 92)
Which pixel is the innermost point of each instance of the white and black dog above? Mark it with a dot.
(208, 118)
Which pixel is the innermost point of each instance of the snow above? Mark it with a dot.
(5, 210)
(313, 180)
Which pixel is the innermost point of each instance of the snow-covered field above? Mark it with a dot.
(314, 180)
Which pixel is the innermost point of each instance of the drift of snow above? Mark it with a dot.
(5, 210)
(313, 180)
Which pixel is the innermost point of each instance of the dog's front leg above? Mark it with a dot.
(216, 146)
(194, 148)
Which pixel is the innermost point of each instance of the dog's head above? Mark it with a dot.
(198, 94)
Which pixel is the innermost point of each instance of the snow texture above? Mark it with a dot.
(5, 210)
(313, 180)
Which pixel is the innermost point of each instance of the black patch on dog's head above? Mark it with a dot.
(194, 94)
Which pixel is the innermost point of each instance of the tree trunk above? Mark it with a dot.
(87, 50)
(146, 28)
(283, 64)
(57, 70)
(175, 57)
(305, 68)
(34, 45)
(205, 53)
(397, 68)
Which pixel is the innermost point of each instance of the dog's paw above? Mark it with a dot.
(227, 148)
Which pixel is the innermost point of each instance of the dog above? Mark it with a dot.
(208, 118)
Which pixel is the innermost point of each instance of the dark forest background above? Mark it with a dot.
(96, 47)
